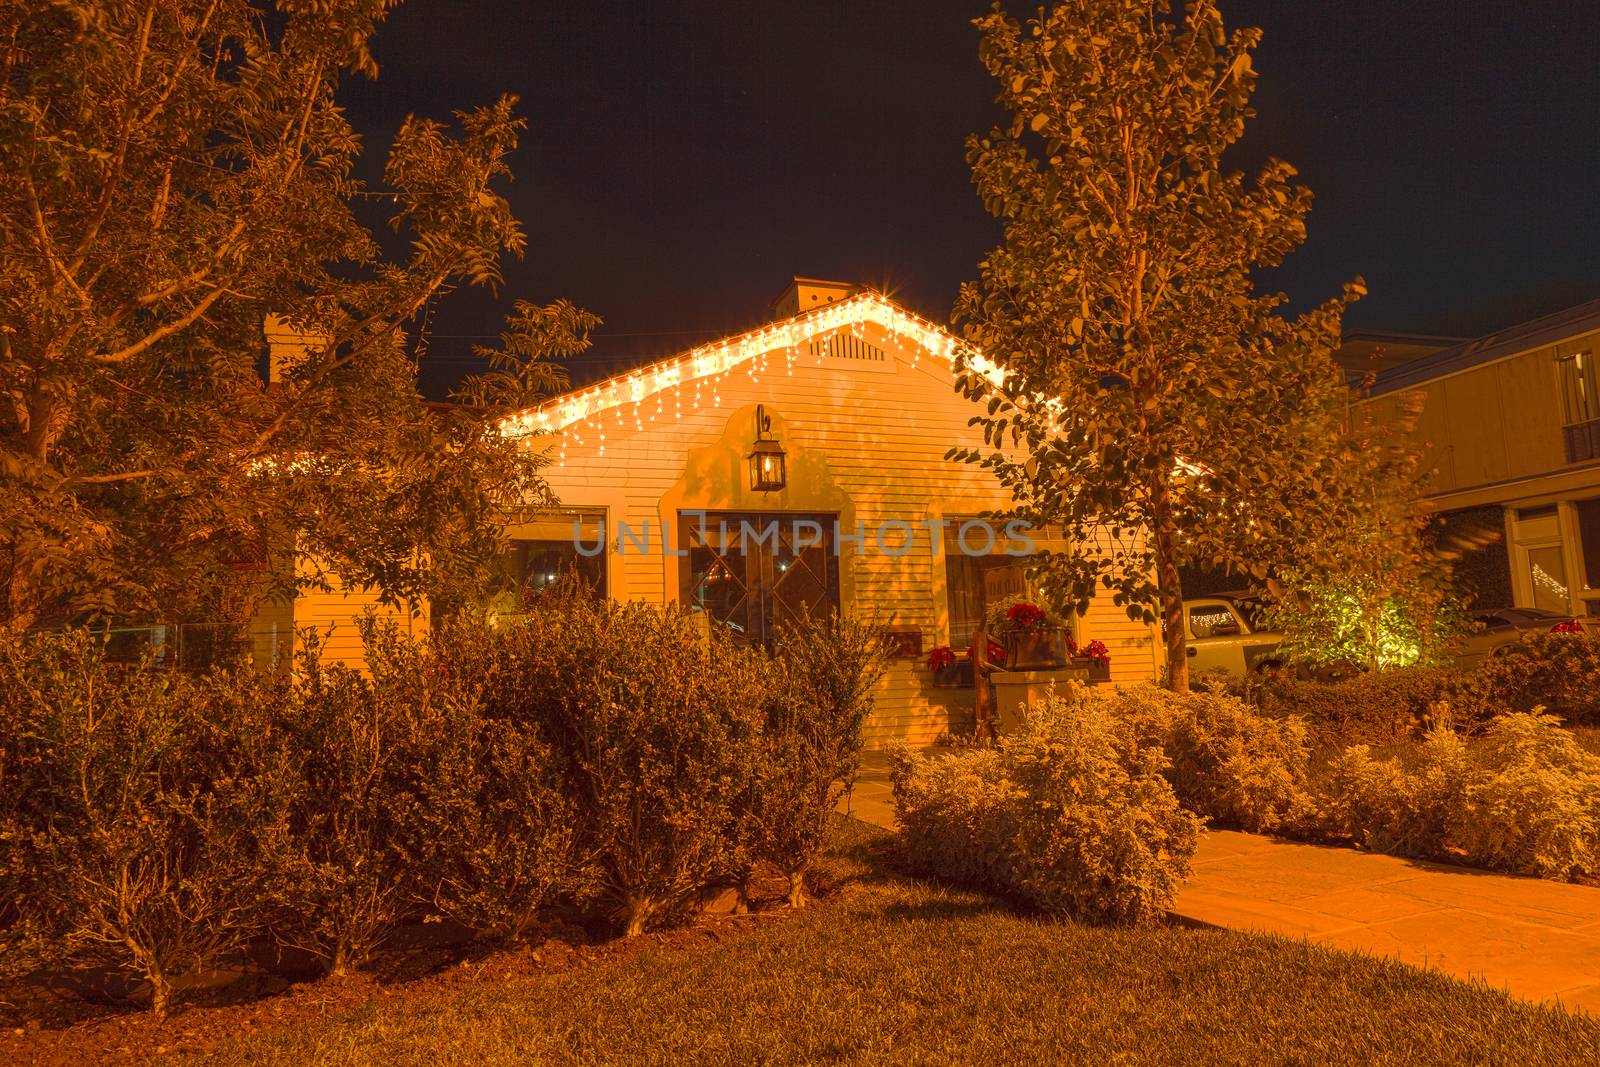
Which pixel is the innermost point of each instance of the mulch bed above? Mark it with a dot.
(81, 1018)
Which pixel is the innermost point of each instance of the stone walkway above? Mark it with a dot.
(1538, 940)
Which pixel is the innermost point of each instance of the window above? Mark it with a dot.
(756, 571)
(546, 550)
(1588, 512)
(971, 582)
(538, 564)
(1580, 406)
(1212, 620)
(1548, 575)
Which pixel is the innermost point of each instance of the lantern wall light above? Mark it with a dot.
(767, 474)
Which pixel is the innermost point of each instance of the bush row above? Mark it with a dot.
(615, 757)
(1091, 808)
(1522, 797)
(1556, 673)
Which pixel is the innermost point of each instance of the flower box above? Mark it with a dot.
(957, 675)
(1099, 669)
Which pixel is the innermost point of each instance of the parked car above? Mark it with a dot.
(1502, 627)
(1222, 634)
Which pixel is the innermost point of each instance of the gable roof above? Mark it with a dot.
(720, 357)
(1510, 341)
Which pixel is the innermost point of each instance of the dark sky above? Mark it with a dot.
(683, 160)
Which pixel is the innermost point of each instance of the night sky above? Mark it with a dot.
(682, 161)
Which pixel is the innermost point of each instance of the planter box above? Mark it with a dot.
(1036, 650)
(956, 676)
(1099, 670)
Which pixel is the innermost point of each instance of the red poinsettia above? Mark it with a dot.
(941, 657)
(1023, 616)
(1097, 651)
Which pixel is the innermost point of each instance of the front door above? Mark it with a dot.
(755, 572)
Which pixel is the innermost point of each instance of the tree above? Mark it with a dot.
(177, 172)
(1141, 395)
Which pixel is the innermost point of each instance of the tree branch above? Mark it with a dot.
(161, 334)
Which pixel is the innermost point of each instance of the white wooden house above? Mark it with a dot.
(656, 465)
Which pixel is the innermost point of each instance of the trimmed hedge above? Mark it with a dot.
(1559, 673)
(1376, 708)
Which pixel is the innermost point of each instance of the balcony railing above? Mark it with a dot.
(1583, 441)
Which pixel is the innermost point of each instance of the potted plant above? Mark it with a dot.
(1032, 637)
(1097, 658)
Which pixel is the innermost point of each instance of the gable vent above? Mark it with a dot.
(846, 346)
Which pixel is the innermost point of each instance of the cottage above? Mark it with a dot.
(799, 467)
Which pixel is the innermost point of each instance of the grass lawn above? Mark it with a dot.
(894, 970)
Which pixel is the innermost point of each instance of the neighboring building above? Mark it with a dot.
(662, 464)
(1511, 421)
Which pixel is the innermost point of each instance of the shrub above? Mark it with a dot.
(1224, 760)
(1373, 708)
(811, 741)
(1388, 807)
(1525, 797)
(358, 749)
(1070, 813)
(133, 807)
(1533, 805)
(952, 811)
(1557, 672)
(494, 837)
(656, 723)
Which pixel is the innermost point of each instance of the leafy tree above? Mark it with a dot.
(180, 174)
(1144, 398)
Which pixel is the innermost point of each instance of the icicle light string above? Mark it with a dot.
(752, 351)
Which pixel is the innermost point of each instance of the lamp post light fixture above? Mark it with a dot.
(767, 473)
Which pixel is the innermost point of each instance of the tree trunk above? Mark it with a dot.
(1169, 583)
(340, 963)
(160, 993)
(797, 889)
(636, 911)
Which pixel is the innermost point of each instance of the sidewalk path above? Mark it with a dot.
(1539, 940)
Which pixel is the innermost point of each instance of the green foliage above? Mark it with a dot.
(1347, 620)
(1225, 761)
(1559, 673)
(155, 822)
(1070, 813)
(811, 740)
(1143, 397)
(180, 172)
(1373, 708)
(1381, 594)
(137, 812)
(1525, 797)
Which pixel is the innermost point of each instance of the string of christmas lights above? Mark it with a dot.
(751, 350)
